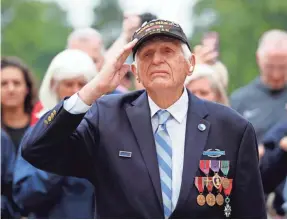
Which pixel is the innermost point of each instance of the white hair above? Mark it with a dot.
(272, 39)
(208, 72)
(199, 71)
(67, 64)
(221, 73)
(85, 34)
(186, 51)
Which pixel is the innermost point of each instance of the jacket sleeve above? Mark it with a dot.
(248, 196)
(7, 169)
(272, 138)
(63, 143)
(7, 163)
(273, 168)
(34, 188)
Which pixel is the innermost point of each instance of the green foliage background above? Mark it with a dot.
(36, 31)
(240, 23)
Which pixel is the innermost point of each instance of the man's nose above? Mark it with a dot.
(277, 75)
(157, 58)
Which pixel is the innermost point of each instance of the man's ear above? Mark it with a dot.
(134, 71)
(191, 64)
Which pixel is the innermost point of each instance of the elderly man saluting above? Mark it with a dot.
(159, 153)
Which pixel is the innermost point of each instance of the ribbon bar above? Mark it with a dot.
(213, 153)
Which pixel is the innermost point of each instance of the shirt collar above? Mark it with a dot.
(178, 109)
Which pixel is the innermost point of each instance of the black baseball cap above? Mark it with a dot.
(158, 27)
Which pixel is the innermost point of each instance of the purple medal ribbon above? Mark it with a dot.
(215, 165)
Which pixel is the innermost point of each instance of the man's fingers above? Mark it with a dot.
(211, 57)
(197, 48)
(123, 70)
(131, 44)
(206, 50)
(123, 55)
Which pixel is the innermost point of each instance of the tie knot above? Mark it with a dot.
(163, 116)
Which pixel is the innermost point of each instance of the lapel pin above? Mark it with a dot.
(125, 154)
(201, 127)
(213, 153)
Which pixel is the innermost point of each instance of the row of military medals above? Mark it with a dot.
(220, 183)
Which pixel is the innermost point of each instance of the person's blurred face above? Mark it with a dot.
(202, 89)
(273, 67)
(126, 82)
(93, 47)
(160, 64)
(69, 87)
(13, 87)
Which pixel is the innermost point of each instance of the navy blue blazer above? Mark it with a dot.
(41, 194)
(88, 145)
(273, 165)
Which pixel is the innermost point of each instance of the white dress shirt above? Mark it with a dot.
(176, 128)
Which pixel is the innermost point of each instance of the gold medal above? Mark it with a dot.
(200, 200)
(219, 199)
(210, 199)
(216, 181)
(200, 186)
(225, 183)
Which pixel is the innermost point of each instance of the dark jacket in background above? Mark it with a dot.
(273, 164)
(8, 209)
(260, 105)
(40, 194)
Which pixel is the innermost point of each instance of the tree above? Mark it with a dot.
(240, 25)
(108, 20)
(34, 31)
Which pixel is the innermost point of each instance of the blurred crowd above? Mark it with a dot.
(29, 192)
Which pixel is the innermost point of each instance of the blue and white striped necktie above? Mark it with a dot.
(164, 156)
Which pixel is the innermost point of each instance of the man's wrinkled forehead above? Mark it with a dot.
(275, 53)
(158, 39)
(269, 48)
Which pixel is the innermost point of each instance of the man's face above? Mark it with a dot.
(93, 47)
(273, 67)
(161, 64)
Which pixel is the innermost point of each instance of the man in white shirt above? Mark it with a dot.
(159, 153)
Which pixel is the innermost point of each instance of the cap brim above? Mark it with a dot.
(156, 34)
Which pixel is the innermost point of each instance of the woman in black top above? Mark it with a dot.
(18, 96)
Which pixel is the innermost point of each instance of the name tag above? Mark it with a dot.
(125, 154)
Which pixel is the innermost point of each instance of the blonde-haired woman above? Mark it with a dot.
(68, 72)
(204, 84)
(45, 195)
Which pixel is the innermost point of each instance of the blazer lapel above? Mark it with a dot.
(140, 119)
(195, 141)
